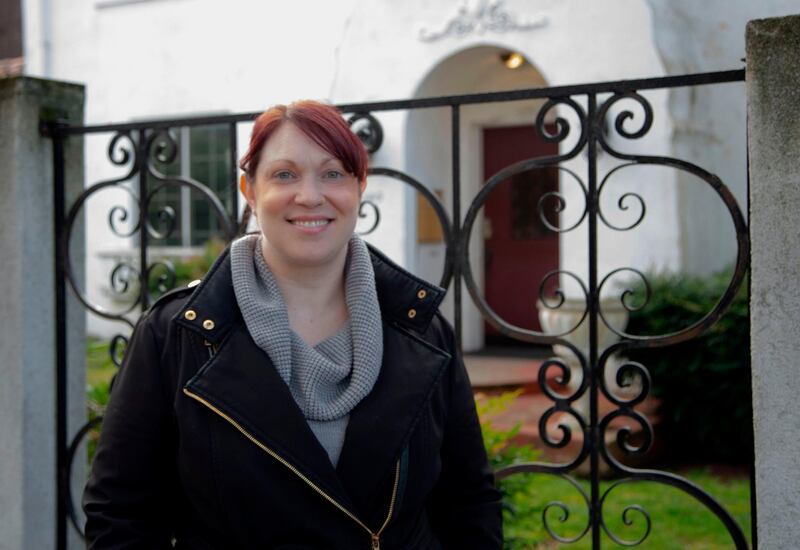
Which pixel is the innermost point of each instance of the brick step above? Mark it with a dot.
(497, 373)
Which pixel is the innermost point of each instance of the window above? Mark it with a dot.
(204, 155)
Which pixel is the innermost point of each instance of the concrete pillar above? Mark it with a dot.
(27, 308)
(773, 108)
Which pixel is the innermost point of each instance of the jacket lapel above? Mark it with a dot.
(381, 424)
(241, 382)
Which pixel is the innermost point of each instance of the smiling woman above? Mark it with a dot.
(306, 394)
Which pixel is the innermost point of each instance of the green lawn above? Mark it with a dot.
(677, 520)
(99, 367)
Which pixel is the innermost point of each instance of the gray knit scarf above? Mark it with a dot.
(328, 380)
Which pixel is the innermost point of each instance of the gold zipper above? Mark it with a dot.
(376, 544)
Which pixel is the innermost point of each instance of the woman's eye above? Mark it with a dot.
(283, 175)
(333, 174)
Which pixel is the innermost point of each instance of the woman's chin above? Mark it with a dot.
(308, 255)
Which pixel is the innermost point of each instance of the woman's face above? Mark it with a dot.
(305, 202)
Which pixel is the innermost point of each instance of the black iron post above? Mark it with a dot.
(62, 471)
(592, 206)
(456, 144)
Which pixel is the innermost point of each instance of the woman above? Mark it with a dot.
(306, 394)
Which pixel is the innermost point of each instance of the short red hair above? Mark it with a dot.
(321, 122)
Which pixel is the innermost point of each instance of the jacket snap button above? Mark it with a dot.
(208, 324)
(412, 313)
(190, 315)
(421, 294)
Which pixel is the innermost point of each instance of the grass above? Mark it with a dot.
(99, 370)
(99, 367)
(678, 520)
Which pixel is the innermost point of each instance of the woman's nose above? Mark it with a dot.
(309, 192)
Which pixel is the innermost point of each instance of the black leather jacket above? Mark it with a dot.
(203, 446)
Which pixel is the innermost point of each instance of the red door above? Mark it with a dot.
(519, 249)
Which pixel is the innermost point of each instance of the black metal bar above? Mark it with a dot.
(62, 473)
(698, 79)
(143, 278)
(233, 143)
(455, 128)
(753, 496)
(592, 206)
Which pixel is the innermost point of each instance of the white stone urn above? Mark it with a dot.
(565, 318)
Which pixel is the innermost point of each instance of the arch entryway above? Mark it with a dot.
(511, 249)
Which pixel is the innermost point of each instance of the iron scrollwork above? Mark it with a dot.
(139, 157)
(631, 377)
(578, 127)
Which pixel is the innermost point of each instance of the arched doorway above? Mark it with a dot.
(513, 251)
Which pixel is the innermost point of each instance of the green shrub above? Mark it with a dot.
(704, 384)
(189, 269)
(99, 371)
(520, 526)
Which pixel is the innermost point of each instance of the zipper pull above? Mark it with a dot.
(376, 542)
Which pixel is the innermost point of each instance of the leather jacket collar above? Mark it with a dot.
(404, 299)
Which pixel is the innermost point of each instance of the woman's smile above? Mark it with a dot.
(310, 225)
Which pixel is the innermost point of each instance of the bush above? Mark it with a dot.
(704, 384)
(189, 269)
(519, 526)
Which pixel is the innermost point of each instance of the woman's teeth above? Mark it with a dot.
(313, 223)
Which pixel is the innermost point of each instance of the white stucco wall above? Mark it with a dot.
(161, 58)
(709, 121)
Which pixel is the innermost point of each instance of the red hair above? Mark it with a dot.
(321, 122)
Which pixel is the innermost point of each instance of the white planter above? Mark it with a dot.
(566, 319)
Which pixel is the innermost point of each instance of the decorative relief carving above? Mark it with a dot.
(481, 17)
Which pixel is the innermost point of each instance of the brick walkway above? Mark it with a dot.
(492, 375)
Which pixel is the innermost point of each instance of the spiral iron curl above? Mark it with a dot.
(368, 130)
(122, 276)
(626, 372)
(166, 276)
(624, 433)
(118, 154)
(621, 202)
(560, 204)
(622, 118)
(563, 127)
(564, 516)
(362, 215)
(625, 298)
(162, 146)
(119, 214)
(165, 217)
(626, 519)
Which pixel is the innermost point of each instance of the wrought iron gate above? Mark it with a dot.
(142, 149)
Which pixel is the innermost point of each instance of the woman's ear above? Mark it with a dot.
(247, 190)
(362, 185)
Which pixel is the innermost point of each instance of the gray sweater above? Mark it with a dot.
(329, 379)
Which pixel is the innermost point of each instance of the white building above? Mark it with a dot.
(143, 59)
